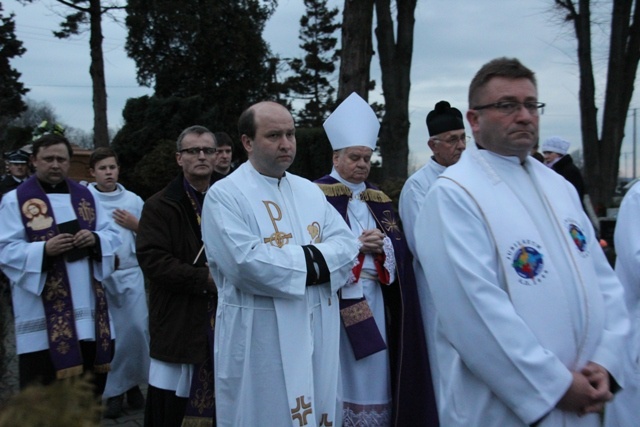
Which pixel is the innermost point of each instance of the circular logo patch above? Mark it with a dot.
(578, 237)
(527, 262)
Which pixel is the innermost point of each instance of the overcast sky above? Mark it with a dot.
(453, 39)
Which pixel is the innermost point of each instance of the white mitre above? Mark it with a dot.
(352, 124)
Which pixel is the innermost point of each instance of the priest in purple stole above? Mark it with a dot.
(56, 246)
(386, 379)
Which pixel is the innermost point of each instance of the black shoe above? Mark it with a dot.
(114, 407)
(135, 399)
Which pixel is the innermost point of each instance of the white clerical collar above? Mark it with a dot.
(355, 188)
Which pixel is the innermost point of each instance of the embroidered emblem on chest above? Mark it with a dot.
(278, 238)
(526, 259)
(390, 224)
(314, 232)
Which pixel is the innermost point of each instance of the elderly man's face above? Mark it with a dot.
(52, 163)
(448, 146)
(353, 163)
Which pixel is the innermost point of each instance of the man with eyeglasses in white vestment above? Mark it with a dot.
(530, 319)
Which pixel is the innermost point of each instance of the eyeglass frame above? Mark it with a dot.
(461, 138)
(207, 151)
(537, 110)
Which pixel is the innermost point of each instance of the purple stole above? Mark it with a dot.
(357, 318)
(200, 409)
(56, 295)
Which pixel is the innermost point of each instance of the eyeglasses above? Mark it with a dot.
(195, 151)
(509, 107)
(454, 139)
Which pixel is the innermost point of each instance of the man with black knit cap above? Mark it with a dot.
(447, 140)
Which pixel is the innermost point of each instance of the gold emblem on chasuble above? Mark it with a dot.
(301, 411)
(86, 211)
(278, 238)
(389, 223)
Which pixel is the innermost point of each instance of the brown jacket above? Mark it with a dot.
(167, 244)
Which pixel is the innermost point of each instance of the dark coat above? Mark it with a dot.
(167, 244)
(412, 387)
(571, 173)
(7, 183)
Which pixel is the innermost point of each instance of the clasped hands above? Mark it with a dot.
(372, 241)
(64, 242)
(589, 391)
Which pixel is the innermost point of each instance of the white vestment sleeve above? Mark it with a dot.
(109, 243)
(475, 313)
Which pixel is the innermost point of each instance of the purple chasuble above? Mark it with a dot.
(56, 295)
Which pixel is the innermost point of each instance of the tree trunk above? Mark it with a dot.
(395, 64)
(602, 154)
(357, 49)
(96, 69)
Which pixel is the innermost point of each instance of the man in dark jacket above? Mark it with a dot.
(182, 295)
(18, 169)
(555, 154)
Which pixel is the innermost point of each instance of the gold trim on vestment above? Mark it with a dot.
(368, 195)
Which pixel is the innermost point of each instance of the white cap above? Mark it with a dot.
(555, 144)
(352, 124)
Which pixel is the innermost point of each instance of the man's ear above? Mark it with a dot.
(473, 118)
(246, 142)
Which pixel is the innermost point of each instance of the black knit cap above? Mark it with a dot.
(444, 118)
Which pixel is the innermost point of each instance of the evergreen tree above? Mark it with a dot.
(201, 47)
(311, 81)
(11, 89)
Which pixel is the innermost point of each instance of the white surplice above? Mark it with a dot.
(414, 191)
(412, 197)
(127, 299)
(623, 411)
(21, 261)
(276, 340)
(505, 343)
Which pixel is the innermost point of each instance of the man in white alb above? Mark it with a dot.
(530, 317)
(278, 253)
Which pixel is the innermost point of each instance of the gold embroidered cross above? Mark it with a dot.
(301, 411)
(86, 211)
